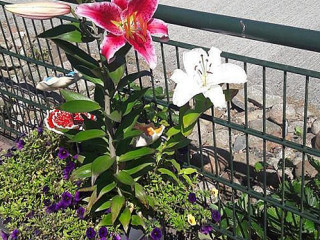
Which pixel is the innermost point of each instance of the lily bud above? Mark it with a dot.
(54, 83)
(39, 10)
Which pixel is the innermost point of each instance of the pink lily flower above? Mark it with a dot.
(39, 10)
(126, 21)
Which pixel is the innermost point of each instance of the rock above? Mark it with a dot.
(315, 127)
(316, 141)
(273, 162)
(270, 126)
(255, 95)
(222, 138)
(252, 115)
(239, 143)
(294, 125)
(275, 114)
(206, 134)
(309, 170)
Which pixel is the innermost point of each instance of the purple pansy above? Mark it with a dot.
(15, 234)
(206, 229)
(63, 153)
(20, 144)
(215, 215)
(80, 212)
(192, 197)
(156, 234)
(77, 196)
(103, 232)
(90, 233)
(45, 189)
(66, 200)
(117, 237)
(30, 214)
(68, 169)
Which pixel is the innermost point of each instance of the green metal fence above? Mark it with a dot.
(25, 60)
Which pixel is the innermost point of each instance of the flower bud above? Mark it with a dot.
(39, 10)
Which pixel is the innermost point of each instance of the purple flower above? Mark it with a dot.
(77, 196)
(37, 232)
(206, 229)
(68, 169)
(215, 215)
(90, 233)
(20, 144)
(78, 183)
(156, 234)
(47, 202)
(7, 220)
(9, 153)
(117, 237)
(3, 235)
(80, 212)
(103, 238)
(75, 157)
(66, 199)
(14, 234)
(108, 211)
(40, 131)
(45, 189)
(192, 197)
(103, 232)
(52, 208)
(30, 214)
(63, 153)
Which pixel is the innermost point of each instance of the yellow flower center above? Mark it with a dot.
(191, 220)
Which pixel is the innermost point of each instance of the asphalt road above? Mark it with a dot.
(298, 13)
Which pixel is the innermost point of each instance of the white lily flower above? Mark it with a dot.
(57, 82)
(204, 74)
(149, 134)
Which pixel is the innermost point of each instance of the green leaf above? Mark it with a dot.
(117, 74)
(115, 116)
(137, 221)
(132, 101)
(177, 141)
(136, 154)
(173, 131)
(71, 96)
(138, 168)
(314, 162)
(175, 164)
(169, 173)
(107, 189)
(76, 56)
(230, 93)
(79, 106)
(106, 220)
(140, 194)
(82, 172)
(87, 135)
(130, 78)
(127, 123)
(100, 165)
(119, 58)
(188, 171)
(125, 178)
(125, 218)
(104, 206)
(117, 203)
(67, 32)
(258, 166)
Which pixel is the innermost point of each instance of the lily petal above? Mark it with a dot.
(227, 73)
(214, 57)
(123, 4)
(110, 44)
(186, 88)
(39, 10)
(105, 14)
(192, 59)
(216, 96)
(145, 48)
(158, 27)
(143, 8)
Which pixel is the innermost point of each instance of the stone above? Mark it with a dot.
(316, 141)
(294, 125)
(315, 127)
(309, 170)
(252, 115)
(239, 143)
(275, 114)
(206, 134)
(222, 138)
(255, 95)
(270, 126)
(273, 162)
